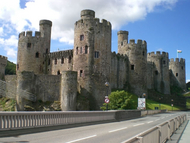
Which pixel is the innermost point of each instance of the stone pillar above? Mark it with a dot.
(68, 90)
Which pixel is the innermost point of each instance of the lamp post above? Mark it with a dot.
(107, 85)
(172, 104)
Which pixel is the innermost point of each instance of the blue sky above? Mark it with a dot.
(164, 24)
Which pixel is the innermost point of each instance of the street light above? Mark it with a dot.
(107, 85)
(172, 104)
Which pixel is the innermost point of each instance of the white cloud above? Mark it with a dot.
(188, 80)
(64, 13)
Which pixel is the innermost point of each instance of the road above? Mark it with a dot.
(114, 132)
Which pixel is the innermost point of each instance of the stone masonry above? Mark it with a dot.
(83, 71)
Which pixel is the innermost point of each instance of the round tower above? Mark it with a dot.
(160, 72)
(178, 72)
(92, 57)
(137, 55)
(31, 49)
(122, 40)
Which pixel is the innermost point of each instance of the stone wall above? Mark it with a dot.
(11, 86)
(3, 64)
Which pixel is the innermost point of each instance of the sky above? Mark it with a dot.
(164, 24)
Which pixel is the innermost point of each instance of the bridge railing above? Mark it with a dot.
(31, 119)
(160, 133)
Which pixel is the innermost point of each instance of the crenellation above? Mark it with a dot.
(37, 34)
(29, 33)
(132, 68)
(132, 41)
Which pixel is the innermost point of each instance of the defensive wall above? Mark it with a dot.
(3, 64)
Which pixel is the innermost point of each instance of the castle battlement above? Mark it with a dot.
(84, 23)
(122, 32)
(29, 34)
(113, 54)
(3, 57)
(158, 54)
(177, 60)
(58, 54)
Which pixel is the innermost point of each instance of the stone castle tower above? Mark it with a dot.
(137, 56)
(158, 72)
(92, 56)
(3, 63)
(31, 49)
(85, 69)
(177, 69)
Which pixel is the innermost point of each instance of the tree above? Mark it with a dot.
(120, 100)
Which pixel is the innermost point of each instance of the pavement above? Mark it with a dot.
(182, 134)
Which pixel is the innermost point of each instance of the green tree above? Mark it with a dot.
(10, 68)
(120, 100)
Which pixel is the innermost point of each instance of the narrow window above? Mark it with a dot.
(17, 66)
(81, 37)
(46, 51)
(77, 50)
(132, 67)
(69, 61)
(49, 62)
(58, 72)
(81, 73)
(86, 49)
(62, 60)
(156, 72)
(164, 61)
(81, 50)
(55, 61)
(28, 45)
(37, 55)
(182, 67)
(96, 54)
(121, 43)
(143, 53)
(176, 74)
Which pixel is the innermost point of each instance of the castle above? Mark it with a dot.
(82, 72)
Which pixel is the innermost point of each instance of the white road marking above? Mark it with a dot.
(117, 130)
(149, 122)
(81, 139)
(138, 124)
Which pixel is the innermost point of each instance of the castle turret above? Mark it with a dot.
(92, 56)
(137, 56)
(32, 48)
(177, 68)
(122, 38)
(3, 64)
(158, 75)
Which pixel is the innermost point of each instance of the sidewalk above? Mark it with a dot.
(185, 138)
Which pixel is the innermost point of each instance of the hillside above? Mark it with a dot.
(10, 68)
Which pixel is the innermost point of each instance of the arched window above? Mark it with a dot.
(77, 50)
(62, 60)
(81, 37)
(46, 51)
(86, 49)
(143, 53)
(164, 61)
(37, 55)
(55, 61)
(17, 66)
(58, 72)
(49, 62)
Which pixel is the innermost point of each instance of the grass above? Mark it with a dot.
(150, 105)
(7, 104)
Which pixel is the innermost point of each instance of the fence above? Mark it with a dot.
(20, 120)
(160, 133)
